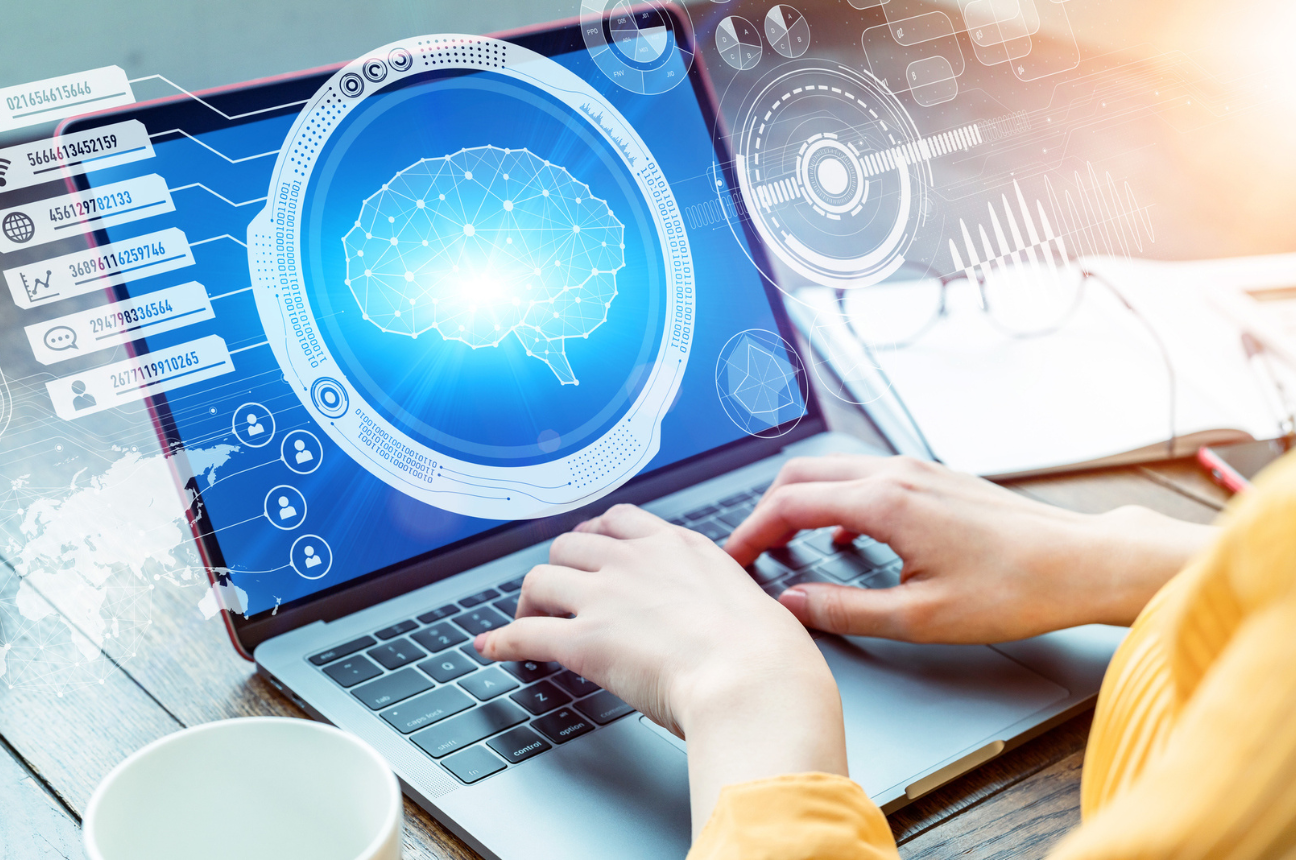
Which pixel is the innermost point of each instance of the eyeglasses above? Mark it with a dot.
(1022, 302)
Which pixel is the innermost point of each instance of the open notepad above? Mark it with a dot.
(1095, 393)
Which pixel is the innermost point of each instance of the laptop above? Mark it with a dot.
(369, 480)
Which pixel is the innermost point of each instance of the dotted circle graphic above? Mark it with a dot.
(552, 253)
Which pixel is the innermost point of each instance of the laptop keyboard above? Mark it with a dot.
(477, 717)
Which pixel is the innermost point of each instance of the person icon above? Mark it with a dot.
(312, 560)
(81, 399)
(303, 456)
(286, 510)
(254, 427)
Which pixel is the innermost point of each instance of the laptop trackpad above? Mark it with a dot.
(910, 707)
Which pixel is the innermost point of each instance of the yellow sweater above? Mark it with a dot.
(1193, 748)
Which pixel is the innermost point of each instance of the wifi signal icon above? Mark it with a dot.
(4, 168)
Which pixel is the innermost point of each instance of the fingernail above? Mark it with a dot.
(795, 600)
(580, 527)
(480, 643)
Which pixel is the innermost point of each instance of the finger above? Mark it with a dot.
(785, 512)
(550, 589)
(583, 550)
(843, 536)
(625, 522)
(884, 612)
(539, 639)
(829, 469)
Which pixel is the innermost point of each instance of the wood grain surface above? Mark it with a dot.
(185, 673)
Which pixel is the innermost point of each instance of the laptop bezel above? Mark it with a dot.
(444, 562)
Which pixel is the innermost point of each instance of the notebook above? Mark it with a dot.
(1096, 393)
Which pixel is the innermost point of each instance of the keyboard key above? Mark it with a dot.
(802, 577)
(735, 501)
(541, 699)
(518, 745)
(425, 710)
(603, 707)
(563, 725)
(438, 614)
(468, 728)
(796, 556)
(350, 672)
(393, 688)
(474, 764)
(395, 654)
(397, 630)
(679, 523)
(735, 518)
(844, 568)
(481, 620)
(575, 684)
(887, 577)
(760, 489)
(447, 667)
(507, 606)
(765, 570)
(822, 540)
(711, 529)
(346, 649)
(479, 598)
(488, 683)
(439, 637)
(530, 671)
(475, 655)
(774, 589)
(878, 553)
(512, 585)
(701, 513)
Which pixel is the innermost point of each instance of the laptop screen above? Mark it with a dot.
(505, 323)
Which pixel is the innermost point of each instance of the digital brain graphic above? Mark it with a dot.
(485, 244)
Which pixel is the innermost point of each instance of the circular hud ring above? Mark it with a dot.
(638, 49)
(830, 174)
(424, 471)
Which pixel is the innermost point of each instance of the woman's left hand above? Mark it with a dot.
(665, 619)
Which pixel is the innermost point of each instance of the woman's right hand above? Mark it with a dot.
(981, 563)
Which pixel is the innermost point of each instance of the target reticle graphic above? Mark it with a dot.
(485, 244)
(635, 44)
(828, 163)
(739, 43)
(788, 31)
(761, 383)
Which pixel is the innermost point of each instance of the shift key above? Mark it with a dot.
(458, 732)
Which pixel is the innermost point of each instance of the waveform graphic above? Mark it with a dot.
(597, 117)
(1029, 281)
(1092, 217)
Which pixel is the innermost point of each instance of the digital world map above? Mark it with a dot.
(485, 244)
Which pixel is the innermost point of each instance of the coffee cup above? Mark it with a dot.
(254, 788)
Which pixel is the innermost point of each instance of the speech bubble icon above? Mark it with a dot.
(61, 337)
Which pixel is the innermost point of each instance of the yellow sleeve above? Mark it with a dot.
(1201, 761)
(809, 816)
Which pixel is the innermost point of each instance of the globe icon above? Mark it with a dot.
(18, 228)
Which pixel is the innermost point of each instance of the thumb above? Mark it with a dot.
(881, 612)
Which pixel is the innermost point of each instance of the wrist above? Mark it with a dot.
(1141, 551)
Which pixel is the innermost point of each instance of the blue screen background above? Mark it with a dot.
(498, 403)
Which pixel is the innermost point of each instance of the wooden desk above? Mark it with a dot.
(186, 673)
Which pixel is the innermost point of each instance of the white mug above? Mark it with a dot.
(254, 789)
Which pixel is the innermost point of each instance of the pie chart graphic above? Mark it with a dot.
(739, 43)
(788, 31)
(643, 38)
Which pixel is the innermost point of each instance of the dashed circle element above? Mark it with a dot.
(374, 69)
